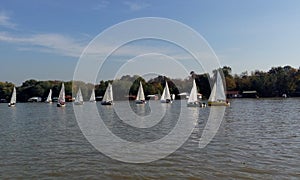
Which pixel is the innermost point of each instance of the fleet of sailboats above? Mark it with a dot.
(49, 98)
(13, 98)
(140, 98)
(61, 102)
(217, 96)
(166, 96)
(108, 96)
(79, 98)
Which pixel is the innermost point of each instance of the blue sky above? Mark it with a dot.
(44, 39)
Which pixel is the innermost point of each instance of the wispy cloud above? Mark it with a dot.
(51, 43)
(102, 4)
(5, 21)
(136, 6)
(67, 46)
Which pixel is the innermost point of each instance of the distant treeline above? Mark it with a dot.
(275, 82)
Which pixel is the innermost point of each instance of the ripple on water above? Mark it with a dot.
(257, 139)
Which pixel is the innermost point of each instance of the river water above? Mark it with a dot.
(257, 139)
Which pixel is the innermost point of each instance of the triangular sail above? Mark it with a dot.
(61, 97)
(93, 97)
(49, 98)
(79, 98)
(140, 96)
(193, 94)
(108, 96)
(212, 96)
(217, 93)
(13, 99)
(166, 93)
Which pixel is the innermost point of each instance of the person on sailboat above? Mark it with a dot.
(61, 102)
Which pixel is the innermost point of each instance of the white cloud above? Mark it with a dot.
(67, 46)
(102, 4)
(52, 43)
(5, 21)
(134, 6)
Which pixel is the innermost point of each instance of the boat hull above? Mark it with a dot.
(218, 103)
(166, 101)
(78, 103)
(11, 104)
(106, 103)
(60, 105)
(193, 105)
(140, 102)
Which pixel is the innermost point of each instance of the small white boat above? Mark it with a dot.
(217, 96)
(13, 98)
(108, 96)
(93, 97)
(193, 99)
(49, 98)
(166, 97)
(79, 98)
(140, 98)
(61, 102)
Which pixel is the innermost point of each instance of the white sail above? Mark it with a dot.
(49, 98)
(217, 93)
(212, 96)
(166, 94)
(79, 98)
(93, 97)
(140, 96)
(108, 96)
(193, 94)
(61, 97)
(13, 99)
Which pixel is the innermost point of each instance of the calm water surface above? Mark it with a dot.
(258, 138)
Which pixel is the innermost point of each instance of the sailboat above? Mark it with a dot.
(49, 98)
(93, 97)
(217, 96)
(166, 97)
(108, 96)
(140, 98)
(79, 98)
(193, 99)
(61, 102)
(13, 99)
